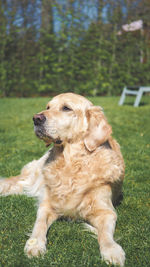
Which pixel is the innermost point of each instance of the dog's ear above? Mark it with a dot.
(98, 128)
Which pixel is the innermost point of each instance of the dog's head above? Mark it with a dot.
(70, 117)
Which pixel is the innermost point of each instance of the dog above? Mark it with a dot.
(80, 176)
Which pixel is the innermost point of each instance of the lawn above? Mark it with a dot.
(68, 245)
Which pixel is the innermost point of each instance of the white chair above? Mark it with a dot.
(134, 90)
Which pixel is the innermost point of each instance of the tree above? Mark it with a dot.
(3, 41)
(48, 47)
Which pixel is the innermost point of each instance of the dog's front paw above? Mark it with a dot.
(113, 254)
(34, 247)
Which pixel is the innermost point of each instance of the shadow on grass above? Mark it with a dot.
(132, 104)
(118, 201)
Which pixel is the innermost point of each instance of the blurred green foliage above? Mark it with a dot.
(48, 47)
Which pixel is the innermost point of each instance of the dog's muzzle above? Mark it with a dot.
(41, 130)
(39, 120)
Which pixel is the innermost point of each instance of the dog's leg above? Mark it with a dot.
(9, 186)
(104, 222)
(36, 244)
(29, 181)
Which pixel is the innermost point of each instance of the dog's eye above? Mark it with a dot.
(48, 107)
(65, 108)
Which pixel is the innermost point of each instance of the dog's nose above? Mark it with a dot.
(39, 119)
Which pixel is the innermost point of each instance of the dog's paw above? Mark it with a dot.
(113, 254)
(34, 247)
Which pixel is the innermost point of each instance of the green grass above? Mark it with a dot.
(68, 245)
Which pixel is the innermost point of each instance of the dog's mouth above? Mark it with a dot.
(41, 133)
(48, 133)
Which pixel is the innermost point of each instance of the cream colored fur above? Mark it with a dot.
(81, 176)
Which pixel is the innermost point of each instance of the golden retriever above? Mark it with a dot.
(80, 176)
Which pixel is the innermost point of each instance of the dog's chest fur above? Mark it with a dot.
(67, 183)
(70, 180)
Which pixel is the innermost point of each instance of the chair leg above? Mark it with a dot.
(138, 98)
(122, 98)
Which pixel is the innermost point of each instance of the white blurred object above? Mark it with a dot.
(133, 26)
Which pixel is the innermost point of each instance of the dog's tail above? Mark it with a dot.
(10, 186)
